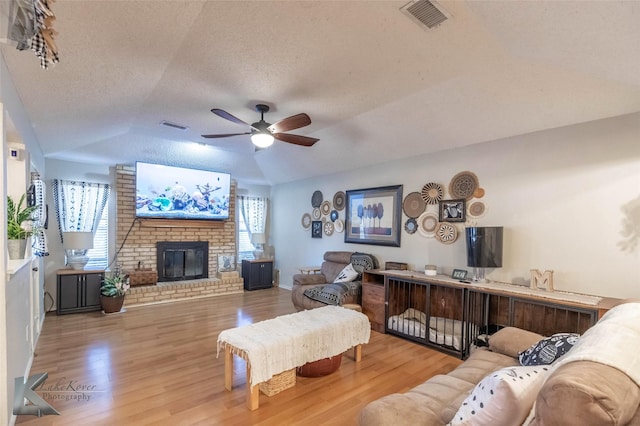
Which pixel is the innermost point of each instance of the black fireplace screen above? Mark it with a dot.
(179, 261)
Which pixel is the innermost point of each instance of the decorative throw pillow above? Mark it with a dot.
(549, 349)
(347, 274)
(504, 397)
(226, 262)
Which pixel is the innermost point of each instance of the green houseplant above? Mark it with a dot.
(112, 291)
(17, 234)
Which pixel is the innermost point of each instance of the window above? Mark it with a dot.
(245, 248)
(99, 254)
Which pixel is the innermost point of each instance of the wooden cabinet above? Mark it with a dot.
(78, 291)
(373, 299)
(257, 274)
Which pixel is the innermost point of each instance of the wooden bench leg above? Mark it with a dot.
(253, 392)
(228, 369)
(357, 353)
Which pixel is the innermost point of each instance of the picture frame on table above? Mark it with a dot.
(459, 274)
(373, 216)
(453, 210)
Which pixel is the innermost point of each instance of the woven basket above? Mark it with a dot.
(279, 382)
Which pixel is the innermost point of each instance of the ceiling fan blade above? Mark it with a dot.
(225, 135)
(295, 139)
(224, 114)
(290, 123)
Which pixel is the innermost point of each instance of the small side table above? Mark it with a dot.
(309, 269)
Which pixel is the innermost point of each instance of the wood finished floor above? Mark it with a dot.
(157, 365)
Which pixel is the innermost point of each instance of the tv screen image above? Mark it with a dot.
(168, 192)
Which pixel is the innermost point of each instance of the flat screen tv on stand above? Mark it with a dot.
(169, 192)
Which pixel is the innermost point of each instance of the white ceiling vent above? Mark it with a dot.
(427, 13)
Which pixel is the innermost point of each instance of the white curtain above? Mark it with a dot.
(254, 213)
(39, 241)
(79, 205)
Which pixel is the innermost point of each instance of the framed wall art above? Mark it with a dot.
(373, 216)
(316, 229)
(453, 210)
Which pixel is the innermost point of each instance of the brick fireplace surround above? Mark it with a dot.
(140, 247)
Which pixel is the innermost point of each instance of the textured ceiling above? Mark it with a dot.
(377, 86)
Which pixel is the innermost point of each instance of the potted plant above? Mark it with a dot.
(112, 291)
(17, 233)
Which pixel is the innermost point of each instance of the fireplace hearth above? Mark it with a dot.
(184, 260)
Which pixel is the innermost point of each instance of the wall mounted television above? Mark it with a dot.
(168, 192)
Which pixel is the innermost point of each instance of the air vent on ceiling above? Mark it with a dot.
(427, 13)
(174, 125)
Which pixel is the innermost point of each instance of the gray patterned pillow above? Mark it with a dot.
(331, 294)
(549, 349)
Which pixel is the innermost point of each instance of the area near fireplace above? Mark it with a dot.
(142, 239)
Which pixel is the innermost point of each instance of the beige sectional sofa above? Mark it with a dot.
(597, 382)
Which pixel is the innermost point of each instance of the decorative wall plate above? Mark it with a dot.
(306, 220)
(411, 226)
(338, 225)
(315, 214)
(479, 192)
(316, 199)
(432, 193)
(328, 228)
(413, 205)
(446, 233)
(477, 209)
(338, 200)
(428, 224)
(463, 185)
(325, 207)
(334, 215)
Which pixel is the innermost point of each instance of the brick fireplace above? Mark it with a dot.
(144, 235)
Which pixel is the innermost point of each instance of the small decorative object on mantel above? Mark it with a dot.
(541, 280)
(114, 288)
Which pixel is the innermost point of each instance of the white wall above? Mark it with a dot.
(568, 198)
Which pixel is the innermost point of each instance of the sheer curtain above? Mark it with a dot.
(79, 205)
(254, 213)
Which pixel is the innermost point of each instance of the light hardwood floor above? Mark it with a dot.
(157, 365)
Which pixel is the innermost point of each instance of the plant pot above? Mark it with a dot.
(16, 248)
(111, 304)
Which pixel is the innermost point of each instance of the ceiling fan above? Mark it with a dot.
(263, 133)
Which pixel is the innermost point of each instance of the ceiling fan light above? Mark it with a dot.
(262, 140)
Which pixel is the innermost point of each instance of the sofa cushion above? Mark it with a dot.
(549, 349)
(480, 363)
(504, 397)
(587, 393)
(511, 341)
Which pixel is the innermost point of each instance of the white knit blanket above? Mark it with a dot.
(614, 341)
(289, 341)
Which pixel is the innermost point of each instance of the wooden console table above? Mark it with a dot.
(283, 343)
(475, 308)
